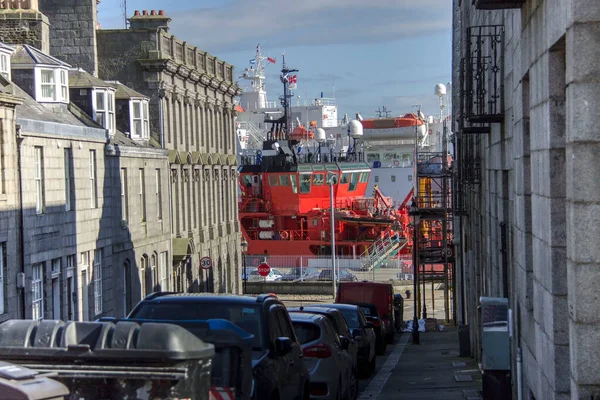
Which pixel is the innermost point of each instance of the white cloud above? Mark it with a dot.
(240, 24)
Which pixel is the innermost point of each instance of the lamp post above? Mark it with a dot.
(414, 212)
(332, 180)
(244, 249)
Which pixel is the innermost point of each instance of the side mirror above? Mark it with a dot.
(345, 342)
(356, 333)
(283, 345)
(369, 325)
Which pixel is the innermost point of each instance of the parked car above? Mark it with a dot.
(249, 271)
(345, 275)
(274, 275)
(298, 273)
(278, 370)
(379, 294)
(372, 315)
(332, 376)
(362, 332)
(339, 324)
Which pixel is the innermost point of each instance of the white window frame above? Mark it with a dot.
(68, 154)
(158, 194)
(97, 278)
(5, 66)
(93, 183)
(108, 111)
(39, 179)
(60, 84)
(143, 119)
(142, 194)
(37, 291)
(124, 199)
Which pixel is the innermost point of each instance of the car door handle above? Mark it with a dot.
(292, 362)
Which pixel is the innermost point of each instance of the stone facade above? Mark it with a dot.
(538, 178)
(192, 115)
(73, 33)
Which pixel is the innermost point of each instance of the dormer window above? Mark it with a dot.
(5, 66)
(140, 125)
(52, 85)
(104, 108)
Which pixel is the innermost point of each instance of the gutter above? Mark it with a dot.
(21, 295)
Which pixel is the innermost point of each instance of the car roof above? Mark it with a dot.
(312, 309)
(306, 317)
(205, 298)
(338, 306)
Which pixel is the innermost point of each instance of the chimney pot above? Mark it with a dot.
(145, 12)
(161, 12)
(136, 13)
(153, 12)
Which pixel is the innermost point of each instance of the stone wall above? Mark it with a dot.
(73, 32)
(25, 27)
(538, 167)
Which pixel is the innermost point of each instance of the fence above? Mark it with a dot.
(318, 268)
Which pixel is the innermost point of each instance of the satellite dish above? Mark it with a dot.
(440, 90)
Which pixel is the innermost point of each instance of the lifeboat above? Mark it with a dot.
(394, 128)
(300, 133)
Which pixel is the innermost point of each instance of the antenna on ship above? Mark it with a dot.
(381, 112)
(124, 9)
(285, 99)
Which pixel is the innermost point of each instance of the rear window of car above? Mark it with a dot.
(307, 332)
(368, 312)
(351, 318)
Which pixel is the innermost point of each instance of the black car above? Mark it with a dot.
(279, 372)
(372, 315)
(362, 332)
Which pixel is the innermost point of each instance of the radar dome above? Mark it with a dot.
(321, 137)
(355, 128)
(440, 90)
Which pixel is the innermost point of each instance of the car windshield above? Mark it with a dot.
(246, 317)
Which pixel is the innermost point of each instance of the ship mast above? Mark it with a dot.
(255, 96)
(285, 101)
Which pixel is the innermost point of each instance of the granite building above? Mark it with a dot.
(192, 115)
(527, 130)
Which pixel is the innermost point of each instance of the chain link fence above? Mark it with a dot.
(319, 268)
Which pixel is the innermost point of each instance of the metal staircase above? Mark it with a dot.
(382, 249)
(255, 135)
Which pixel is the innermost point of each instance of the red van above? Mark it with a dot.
(379, 294)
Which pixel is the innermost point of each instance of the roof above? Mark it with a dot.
(316, 310)
(27, 55)
(338, 306)
(306, 317)
(81, 79)
(6, 47)
(125, 92)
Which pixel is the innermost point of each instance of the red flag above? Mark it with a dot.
(271, 60)
(293, 79)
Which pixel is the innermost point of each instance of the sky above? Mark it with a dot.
(366, 54)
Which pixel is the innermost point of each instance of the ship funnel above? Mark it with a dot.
(355, 128)
(321, 136)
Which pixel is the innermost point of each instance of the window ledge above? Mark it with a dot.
(3, 197)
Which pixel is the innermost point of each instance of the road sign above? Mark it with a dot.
(205, 263)
(264, 269)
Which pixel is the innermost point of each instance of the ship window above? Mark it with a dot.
(372, 157)
(353, 182)
(345, 178)
(376, 179)
(389, 156)
(247, 180)
(294, 184)
(393, 178)
(364, 177)
(284, 180)
(318, 179)
(305, 183)
(273, 180)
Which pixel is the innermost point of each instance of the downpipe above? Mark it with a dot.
(519, 375)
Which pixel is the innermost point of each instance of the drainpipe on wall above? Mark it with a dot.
(21, 295)
(161, 131)
(519, 375)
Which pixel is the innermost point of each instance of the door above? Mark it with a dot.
(294, 359)
(56, 298)
(85, 312)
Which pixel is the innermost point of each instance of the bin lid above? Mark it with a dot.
(124, 340)
(17, 382)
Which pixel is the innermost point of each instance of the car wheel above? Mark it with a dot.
(352, 387)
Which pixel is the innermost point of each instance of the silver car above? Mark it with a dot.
(327, 361)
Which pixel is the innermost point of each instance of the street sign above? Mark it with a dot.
(205, 263)
(264, 269)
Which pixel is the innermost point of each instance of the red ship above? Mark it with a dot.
(285, 202)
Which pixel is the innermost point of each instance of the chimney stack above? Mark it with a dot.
(151, 21)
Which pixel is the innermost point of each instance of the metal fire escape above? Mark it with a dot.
(382, 250)
(432, 209)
